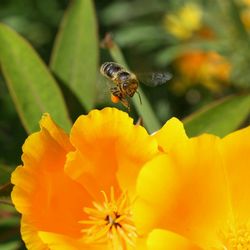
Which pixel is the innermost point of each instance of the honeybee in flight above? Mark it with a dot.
(126, 82)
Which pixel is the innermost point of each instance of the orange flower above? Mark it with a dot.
(77, 192)
(112, 186)
(201, 194)
(207, 68)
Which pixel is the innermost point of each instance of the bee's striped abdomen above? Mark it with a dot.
(110, 69)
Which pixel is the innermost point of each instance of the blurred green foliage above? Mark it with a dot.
(204, 44)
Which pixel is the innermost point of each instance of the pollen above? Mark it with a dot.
(237, 238)
(114, 99)
(110, 222)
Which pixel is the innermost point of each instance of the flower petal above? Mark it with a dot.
(64, 242)
(53, 135)
(162, 240)
(236, 152)
(110, 151)
(43, 193)
(30, 236)
(186, 190)
(171, 133)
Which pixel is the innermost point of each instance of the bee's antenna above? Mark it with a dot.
(139, 96)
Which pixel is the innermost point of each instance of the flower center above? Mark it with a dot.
(110, 222)
(237, 238)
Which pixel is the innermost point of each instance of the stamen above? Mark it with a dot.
(236, 237)
(110, 222)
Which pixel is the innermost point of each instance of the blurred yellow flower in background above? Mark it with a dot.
(201, 194)
(245, 17)
(245, 14)
(201, 67)
(246, 2)
(185, 22)
(76, 192)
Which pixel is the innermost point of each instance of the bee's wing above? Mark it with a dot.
(103, 82)
(103, 87)
(155, 78)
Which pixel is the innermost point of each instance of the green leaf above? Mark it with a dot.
(131, 35)
(75, 55)
(144, 110)
(219, 118)
(33, 89)
(10, 245)
(166, 56)
(232, 12)
(5, 172)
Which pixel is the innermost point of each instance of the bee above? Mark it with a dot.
(125, 82)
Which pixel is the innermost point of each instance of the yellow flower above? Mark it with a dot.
(185, 22)
(201, 194)
(245, 17)
(76, 192)
(245, 13)
(111, 186)
(246, 2)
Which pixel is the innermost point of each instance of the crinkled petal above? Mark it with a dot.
(236, 153)
(30, 236)
(171, 133)
(50, 134)
(47, 198)
(110, 151)
(162, 239)
(186, 191)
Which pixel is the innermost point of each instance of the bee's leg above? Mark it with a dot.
(115, 91)
(125, 103)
